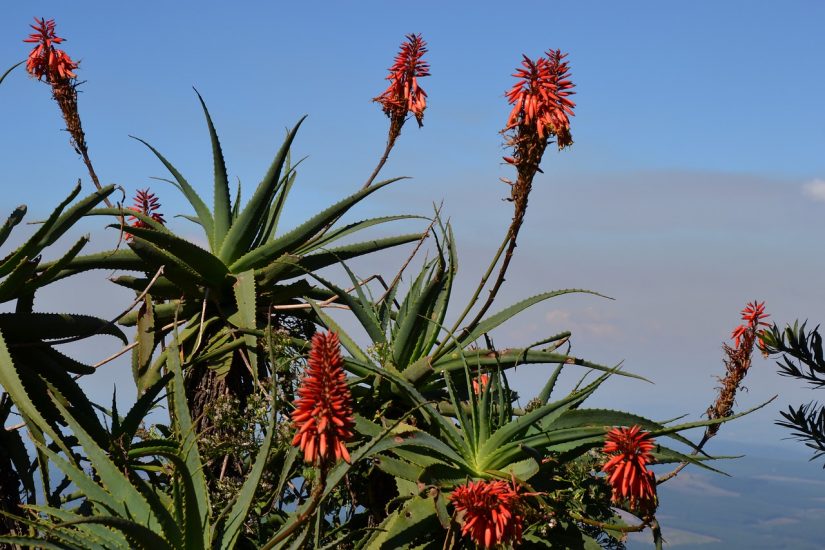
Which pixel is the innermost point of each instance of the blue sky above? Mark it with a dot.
(692, 187)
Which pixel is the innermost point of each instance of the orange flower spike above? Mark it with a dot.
(754, 313)
(45, 60)
(404, 95)
(540, 97)
(491, 512)
(323, 411)
(630, 453)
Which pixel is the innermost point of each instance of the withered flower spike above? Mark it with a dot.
(490, 512)
(323, 412)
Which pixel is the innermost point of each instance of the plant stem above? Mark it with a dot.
(315, 499)
(394, 132)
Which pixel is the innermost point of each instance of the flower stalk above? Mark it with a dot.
(54, 66)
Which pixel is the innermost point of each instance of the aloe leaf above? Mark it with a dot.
(189, 446)
(606, 417)
(520, 425)
(68, 218)
(144, 375)
(245, 296)
(412, 321)
(497, 319)
(111, 260)
(445, 425)
(12, 286)
(207, 266)
(34, 327)
(237, 516)
(283, 188)
(665, 455)
(32, 542)
(13, 445)
(253, 215)
(91, 534)
(14, 218)
(12, 384)
(49, 274)
(187, 278)
(408, 526)
(348, 343)
(130, 423)
(337, 234)
(222, 207)
(203, 213)
(8, 72)
(161, 288)
(320, 260)
(519, 356)
(33, 246)
(442, 299)
(297, 237)
(140, 536)
(360, 306)
(132, 502)
(398, 468)
(124, 215)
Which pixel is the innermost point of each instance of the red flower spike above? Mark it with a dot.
(753, 313)
(46, 61)
(491, 510)
(540, 98)
(404, 95)
(627, 467)
(323, 412)
(146, 203)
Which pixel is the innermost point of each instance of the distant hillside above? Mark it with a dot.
(768, 503)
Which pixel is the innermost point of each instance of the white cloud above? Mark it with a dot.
(815, 189)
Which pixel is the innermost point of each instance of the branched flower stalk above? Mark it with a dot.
(54, 67)
(541, 113)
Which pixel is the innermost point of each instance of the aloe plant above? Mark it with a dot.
(224, 294)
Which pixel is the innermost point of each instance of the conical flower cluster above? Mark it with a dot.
(46, 61)
(627, 468)
(323, 412)
(490, 512)
(540, 98)
(404, 95)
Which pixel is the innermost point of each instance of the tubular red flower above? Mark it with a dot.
(754, 313)
(540, 98)
(46, 61)
(627, 467)
(480, 383)
(491, 512)
(404, 95)
(146, 203)
(323, 412)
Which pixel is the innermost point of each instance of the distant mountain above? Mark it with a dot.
(768, 503)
